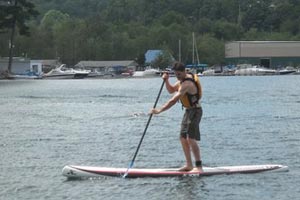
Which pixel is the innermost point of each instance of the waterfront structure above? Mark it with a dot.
(43, 66)
(108, 67)
(20, 65)
(270, 54)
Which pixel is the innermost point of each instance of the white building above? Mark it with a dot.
(271, 54)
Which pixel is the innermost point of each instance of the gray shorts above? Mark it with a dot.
(190, 123)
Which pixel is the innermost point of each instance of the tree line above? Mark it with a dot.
(75, 30)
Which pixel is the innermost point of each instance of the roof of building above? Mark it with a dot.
(151, 55)
(111, 63)
(261, 41)
(46, 61)
(258, 49)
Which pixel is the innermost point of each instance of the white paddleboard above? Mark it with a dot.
(72, 171)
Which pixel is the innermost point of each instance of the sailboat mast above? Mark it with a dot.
(179, 50)
(193, 48)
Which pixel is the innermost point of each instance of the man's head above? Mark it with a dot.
(178, 66)
(179, 70)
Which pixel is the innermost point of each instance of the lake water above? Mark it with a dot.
(47, 124)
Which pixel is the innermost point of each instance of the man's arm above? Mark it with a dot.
(200, 90)
(171, 88)
(172, 101)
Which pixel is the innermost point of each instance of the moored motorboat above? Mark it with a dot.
(147, 73)
(65, 73)
(265, 71)
(151, 72)
(29, 75)
(287, 70)
(208, 72)
(249, 70)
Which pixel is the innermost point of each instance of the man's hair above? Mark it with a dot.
(178, 66)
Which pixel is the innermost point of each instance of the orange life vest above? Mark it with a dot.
(191, 100)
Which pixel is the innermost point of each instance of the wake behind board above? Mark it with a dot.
(71, 171)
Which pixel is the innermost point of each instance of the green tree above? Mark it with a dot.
(163, 60)
(53, 18)
(14, 14)
(172, 17)
(141, 60)
(225, 30)
(211, 50)
(123, 29)
(69, 38)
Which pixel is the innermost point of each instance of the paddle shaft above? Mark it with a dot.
(141, 140)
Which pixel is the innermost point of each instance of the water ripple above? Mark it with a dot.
(247, 120)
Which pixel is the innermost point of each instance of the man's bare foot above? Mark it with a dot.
(185, 169)
(197, 169)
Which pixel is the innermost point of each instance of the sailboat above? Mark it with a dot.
(195, 59)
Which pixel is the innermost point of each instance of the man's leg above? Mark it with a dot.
(187, 153)
(195, 149)
(196, 152)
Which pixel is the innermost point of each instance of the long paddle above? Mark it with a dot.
(150, 117)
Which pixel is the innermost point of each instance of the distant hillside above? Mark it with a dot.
(74, 30)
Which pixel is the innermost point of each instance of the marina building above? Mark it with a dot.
(21, 65)
(108, 67)
(270, 54)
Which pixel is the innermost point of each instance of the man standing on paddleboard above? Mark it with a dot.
(188, 90)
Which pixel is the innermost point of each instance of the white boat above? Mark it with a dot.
(287, 70)
(138, 74)
(94, 73)
(195, 66)
(147, 73)
(62, 72)
(249, 70)
(208, 72)
(265, 71)
(151, 72)
(29, 75)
